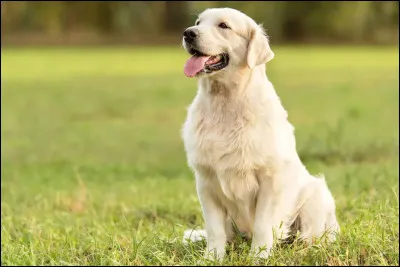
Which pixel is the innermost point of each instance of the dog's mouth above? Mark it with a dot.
(201, 63)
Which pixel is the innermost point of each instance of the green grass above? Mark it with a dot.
(94, 172)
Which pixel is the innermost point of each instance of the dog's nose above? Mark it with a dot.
(190, 34)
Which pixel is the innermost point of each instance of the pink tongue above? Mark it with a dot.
(194, 65)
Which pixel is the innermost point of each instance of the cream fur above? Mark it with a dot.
(242, 149)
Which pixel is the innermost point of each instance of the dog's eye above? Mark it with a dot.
(198, 22)
(223, 26)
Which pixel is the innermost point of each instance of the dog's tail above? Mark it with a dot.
(192, 235)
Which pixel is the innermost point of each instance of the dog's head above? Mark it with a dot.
(224, 40)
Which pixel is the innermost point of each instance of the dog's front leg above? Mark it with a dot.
(274, 203)
(263, 226)
(215, 221)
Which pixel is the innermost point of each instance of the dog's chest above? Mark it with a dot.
(224, 137)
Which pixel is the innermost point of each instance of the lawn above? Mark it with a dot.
(94, 172)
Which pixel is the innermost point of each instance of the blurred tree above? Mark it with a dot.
(47, 17)
(105, 13)
(285, 21)
(13, 16)
(176, 16)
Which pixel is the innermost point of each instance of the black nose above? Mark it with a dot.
(189, 34)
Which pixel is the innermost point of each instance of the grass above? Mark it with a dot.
(94, 172)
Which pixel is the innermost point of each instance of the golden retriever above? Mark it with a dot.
(240, 144)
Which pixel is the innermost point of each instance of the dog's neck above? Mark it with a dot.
(233, 86)
(247, 86)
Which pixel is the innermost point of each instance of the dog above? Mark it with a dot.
(241, 146)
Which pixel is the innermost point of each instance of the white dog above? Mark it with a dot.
(240, 144)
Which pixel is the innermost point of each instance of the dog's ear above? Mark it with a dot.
(258, 51)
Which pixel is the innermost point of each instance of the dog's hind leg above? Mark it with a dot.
(317, 214)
